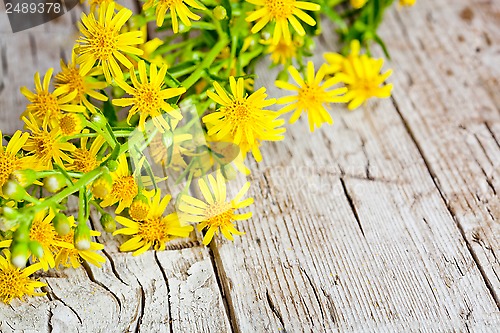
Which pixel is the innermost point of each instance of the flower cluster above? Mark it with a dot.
(125, 107)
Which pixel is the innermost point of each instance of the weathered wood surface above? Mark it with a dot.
(386, 221)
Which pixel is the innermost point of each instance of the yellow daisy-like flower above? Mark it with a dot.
(43, 231)
(148, 96)
(124, 187)
(102, 42)
(15, 282)
(9, 161)
(282, 12)
(72, 257)
(407, 3)
(336, 62)
(363, 79)
(68, 123)
(72, 79)
(242, 119)
(176, 7)
(356, 4)
(282, 52)
(311, 96)
(216, 213)
(155, 230)
(45, 146)
(46, 105)
(86, 159)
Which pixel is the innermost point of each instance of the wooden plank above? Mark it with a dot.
(446, 90)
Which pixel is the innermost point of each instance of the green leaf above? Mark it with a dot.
(109, 111)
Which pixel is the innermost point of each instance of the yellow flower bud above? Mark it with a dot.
(82, 237)
(24, 177)
(61, 224)
(54, 183)
(12, 190)
(35, 248)
(139, 209)
(20, 254)
(220, 13)
(102, 186)
(108, 223)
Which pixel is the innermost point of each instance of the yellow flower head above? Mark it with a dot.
(9, 161)
(336, 62)
(72, 257)
(311, 96)
(139, 209)
(241, 119)
(15, 282)
(356, 4)
(45, 146)
(148, 97)
(43, 231)
(363, 79)
(407, 3)
(155, 230)
(102, 42)
(124, 187)
(216, 213)
(176, 7)
(72, 79)
(68, 123)
(46, 105)
(282, 52)
(86, 159)
(282, 12)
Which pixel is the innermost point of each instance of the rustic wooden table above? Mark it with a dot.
(387, 221)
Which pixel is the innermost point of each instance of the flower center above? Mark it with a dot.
(103, 42)
(12, 284)
(68, 124)
(44, 145)
(42, 232)
(83, 160)
(45, 105)
(138, 211)
(280, 9)
(238, 112)
(8, 163)
(152, 229)
(311, 95)
(219, 214)
(148, 98)
(125, 188)
(72, 77)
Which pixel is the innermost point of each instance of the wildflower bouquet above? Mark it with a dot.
(128, 113)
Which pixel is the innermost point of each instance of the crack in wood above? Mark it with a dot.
(169, 304)
(91, 277)
(48, 289)
(352, 205)
(274, 310)
(315, 292)
(433, 176)
(142, 305)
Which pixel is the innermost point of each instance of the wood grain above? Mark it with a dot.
(386, 221)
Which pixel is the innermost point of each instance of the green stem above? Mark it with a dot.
(209, 59)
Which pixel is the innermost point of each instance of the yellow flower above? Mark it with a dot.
(311, 96)
(103, 43)
(148, 97)
(46, 105)
(363, 80)
(337, 62)
(216, 213)
(139, 208)
(9, 161)
(43, 231)
(45, 146)
(86, 159)
(242, 119)
(72, 257)
(176, 7)
(72, 79)
(155, 230)
(407, 3)
(358, 3)
(282, 12)
(15, 282)
(68, 123)
(282, 52)
(124, 187)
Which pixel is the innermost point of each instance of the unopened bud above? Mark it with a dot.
(102, 186)
(24, 177)
(139, 208)
(82, 237)
(8, 218)
(220, 13)
(21, 235)
(99, 119)
(61, 224)
(12, 190)
(35, 248)
(108, 223)
(54, 183)
(112, 165)
(20, 254)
